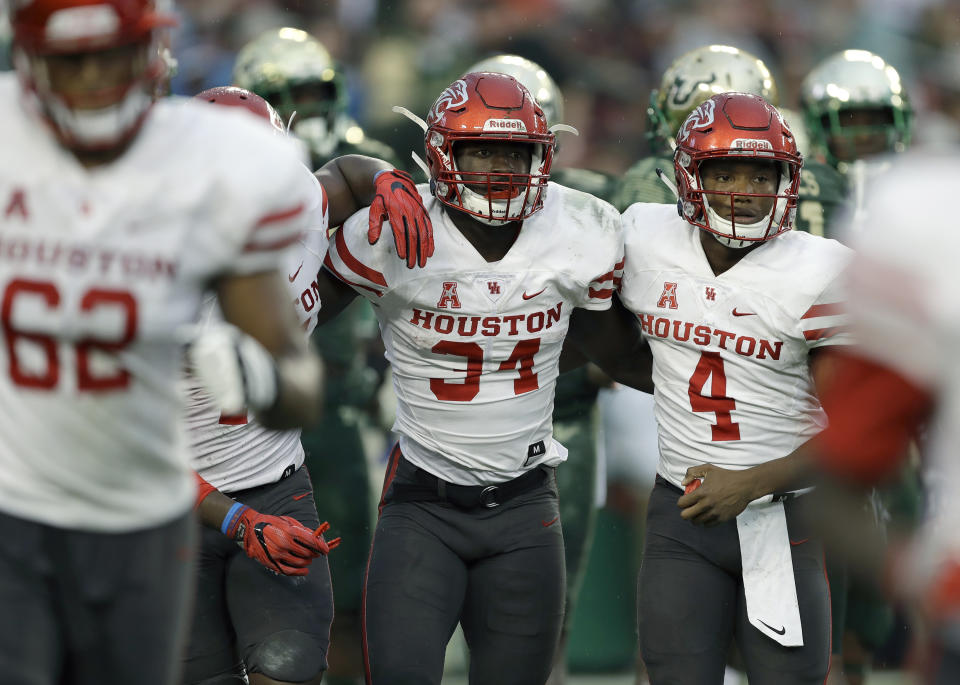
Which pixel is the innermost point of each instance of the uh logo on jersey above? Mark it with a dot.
(491, 285)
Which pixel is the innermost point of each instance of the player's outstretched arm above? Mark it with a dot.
(280, 376)
(280, 543)
(353, 182)
(610, 339)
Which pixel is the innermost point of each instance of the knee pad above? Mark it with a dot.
(288, 656)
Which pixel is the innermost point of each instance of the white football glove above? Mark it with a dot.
(235, 369)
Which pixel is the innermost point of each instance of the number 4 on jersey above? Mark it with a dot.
(710, 367)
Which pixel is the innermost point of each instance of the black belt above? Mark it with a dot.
(429, 488)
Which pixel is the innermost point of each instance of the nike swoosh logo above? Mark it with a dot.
(547, 524)
(530, 297)
(736, 313)
(306, 494)
(295, 273)
(778, 632)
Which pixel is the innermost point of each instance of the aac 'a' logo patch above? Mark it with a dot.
(448, 297)
(668, 298)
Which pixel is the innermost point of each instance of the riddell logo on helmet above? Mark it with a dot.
(752, 144)
(504, 125)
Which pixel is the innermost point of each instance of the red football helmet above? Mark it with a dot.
(488, 106)
(48, 28)
(743, 126)
(232, 96)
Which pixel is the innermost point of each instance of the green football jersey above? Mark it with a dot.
(640, 183)
(823, 190)
(596, 183)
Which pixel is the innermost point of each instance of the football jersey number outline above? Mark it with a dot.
(93, 298)
(710, 366)
(520, 359)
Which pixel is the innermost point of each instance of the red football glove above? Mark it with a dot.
(398, 201)
(280, 543)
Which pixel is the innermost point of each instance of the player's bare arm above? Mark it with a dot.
(356, 181)
(610, 339)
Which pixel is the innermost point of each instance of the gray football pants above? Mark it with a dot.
(691, 602)
(499, 572)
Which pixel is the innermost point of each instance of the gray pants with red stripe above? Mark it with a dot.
(497, 571)
(691, 603)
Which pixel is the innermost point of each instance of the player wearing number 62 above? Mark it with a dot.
(469, 528)
(735, 307)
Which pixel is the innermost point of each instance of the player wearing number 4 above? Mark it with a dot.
(469, 528)
(735, 308)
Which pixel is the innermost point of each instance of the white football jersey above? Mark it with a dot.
(475, 345)
(905, 311)
(100, 271)
(234, 452)
(733, 384)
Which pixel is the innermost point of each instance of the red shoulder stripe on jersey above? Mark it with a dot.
(611, 275)
(354, 264)
(324, 203)
(278, 216)
(820, 333)
(275, 245)
(330, 267)
(604, 294)
(825, 310)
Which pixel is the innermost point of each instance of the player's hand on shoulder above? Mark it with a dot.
(721, 495)
(280, 543)
(398, 201)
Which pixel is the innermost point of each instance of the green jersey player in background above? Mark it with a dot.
(296, 74)
(693, 78)
(856, 111)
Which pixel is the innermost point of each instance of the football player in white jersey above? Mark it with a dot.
(247, 618)
(734, 307)
(120, 214)
(469, 528)
(900, 382)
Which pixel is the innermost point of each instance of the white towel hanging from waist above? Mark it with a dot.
(768, 581)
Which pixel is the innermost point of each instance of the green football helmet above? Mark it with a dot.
(532, 77)
(294, 72)
(697, 76)
(854, 104)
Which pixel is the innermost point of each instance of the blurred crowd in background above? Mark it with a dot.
(606, 55)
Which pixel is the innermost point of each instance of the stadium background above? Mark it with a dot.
(606, 56)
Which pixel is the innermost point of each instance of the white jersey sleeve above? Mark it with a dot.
(474, 345)
(731, 352)
(234, 452)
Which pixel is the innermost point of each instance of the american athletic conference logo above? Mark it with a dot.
(454, 96)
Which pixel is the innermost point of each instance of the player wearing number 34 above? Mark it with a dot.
(735, 307)
(468, 530)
